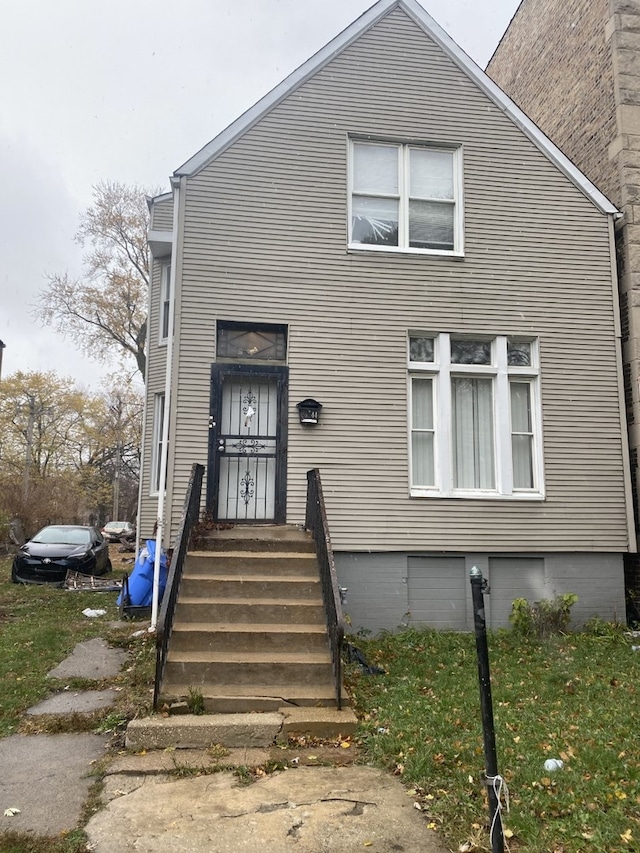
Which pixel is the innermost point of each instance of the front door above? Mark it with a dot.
(247, 446)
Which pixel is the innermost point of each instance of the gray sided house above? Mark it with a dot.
(387, 234)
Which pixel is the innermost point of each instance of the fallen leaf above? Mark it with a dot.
(508, 833)
(626, 836)
(11, 812)
(345, 744)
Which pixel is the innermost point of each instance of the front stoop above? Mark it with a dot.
(191, 731)
(249, 632)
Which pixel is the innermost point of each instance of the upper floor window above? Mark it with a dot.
(165, 302)
(475, 416)
(406, 197)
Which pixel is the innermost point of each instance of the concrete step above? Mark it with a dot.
(279, 537)
(207, 636)
(238, 730)
(257, 611)
(259, 668)
(243, 698)
(251, 562)
(251, 587)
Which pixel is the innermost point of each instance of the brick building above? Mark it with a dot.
(574, 67)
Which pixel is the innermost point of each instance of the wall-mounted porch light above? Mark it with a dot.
(309, 411)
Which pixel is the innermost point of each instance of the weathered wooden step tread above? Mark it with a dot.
(243, 657)
(250, 628)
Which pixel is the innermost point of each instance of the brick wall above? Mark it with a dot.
(555, 62)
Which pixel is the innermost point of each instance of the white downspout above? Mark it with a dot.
(165, 419)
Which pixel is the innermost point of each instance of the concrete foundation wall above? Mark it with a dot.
(397, 590)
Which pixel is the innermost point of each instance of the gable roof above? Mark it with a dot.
(432, 29)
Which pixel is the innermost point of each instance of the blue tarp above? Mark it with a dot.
(141, 578)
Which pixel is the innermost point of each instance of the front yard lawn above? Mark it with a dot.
(573, 697)
(39, 627)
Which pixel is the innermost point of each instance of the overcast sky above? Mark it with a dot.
(127, 91)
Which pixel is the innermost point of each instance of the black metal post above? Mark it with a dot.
(486, 709)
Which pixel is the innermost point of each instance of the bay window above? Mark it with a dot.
(475, 416)
(405, 197)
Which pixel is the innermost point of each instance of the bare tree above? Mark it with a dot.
(108, 304)
(61, 449)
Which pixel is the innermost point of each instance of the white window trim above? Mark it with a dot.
(442, 371)
(165, 303)
(403, 183)
(156, 449)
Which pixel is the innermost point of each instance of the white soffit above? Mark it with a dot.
(415, 11)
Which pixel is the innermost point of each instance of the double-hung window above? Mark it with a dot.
(475, 425)
(405, 197)
(165, 304)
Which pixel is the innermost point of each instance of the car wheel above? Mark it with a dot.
(109, 567)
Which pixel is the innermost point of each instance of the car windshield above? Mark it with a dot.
(115, 525)
(63, 536)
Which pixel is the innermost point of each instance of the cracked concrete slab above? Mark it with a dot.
(315, 810)
(200, 731)
(93, 659)
(74, 702)
(46, 777)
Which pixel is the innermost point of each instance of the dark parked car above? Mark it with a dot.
(119, 531)
(55, 549)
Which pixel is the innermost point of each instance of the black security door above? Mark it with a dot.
(247, 446)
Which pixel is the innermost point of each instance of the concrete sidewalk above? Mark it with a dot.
(311, 809)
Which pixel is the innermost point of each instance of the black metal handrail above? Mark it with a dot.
(316, 522)
(170, 597)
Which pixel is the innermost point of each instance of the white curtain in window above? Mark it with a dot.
(423, 473)
(431, 174)
(375, 169)
(473, 447)
(521, 435)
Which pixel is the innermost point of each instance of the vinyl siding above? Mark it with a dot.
(162, 214)
(265, 233)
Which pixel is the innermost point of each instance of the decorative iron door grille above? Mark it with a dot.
(247, 454)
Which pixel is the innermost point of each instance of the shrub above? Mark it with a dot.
(542, 618)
